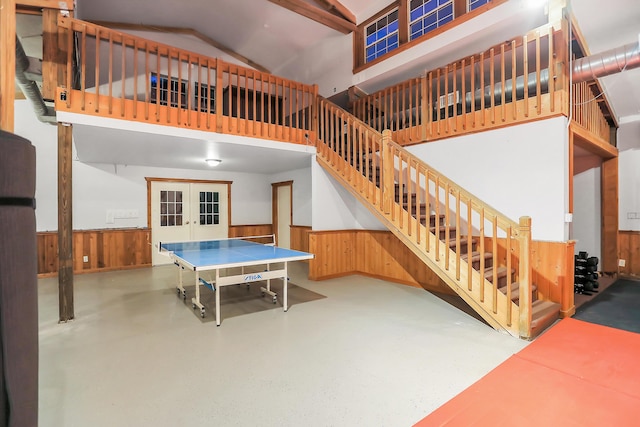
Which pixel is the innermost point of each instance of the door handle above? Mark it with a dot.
(187, 222)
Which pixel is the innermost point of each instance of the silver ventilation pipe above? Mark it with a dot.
(584, 69)
(606, 63)
(29, 88)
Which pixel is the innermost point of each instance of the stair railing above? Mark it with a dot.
(453, 231)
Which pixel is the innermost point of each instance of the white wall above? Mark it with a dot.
(99, 187)
(334, 208)
(629, 176)
(301, 195)
(587, 206)
(519, 170)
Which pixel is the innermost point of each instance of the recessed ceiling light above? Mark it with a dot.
(213, 162)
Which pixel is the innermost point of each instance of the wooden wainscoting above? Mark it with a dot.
(372, 253)
(300, 238)
(250, 230)
(108, 249)
(629, 251)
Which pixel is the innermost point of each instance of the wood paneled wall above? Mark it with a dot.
(108, 249)
(552, 270)
(629, 251)
(300, 238)
(377, 254)
(250, 230)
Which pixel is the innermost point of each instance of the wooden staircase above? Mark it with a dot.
(482, 255)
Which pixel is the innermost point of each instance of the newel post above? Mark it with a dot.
(387, 181)
(524, 278)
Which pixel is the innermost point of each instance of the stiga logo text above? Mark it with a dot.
(252, 277)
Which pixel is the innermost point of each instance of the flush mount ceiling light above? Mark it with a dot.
(213, 162)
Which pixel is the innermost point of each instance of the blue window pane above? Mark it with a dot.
(371, 40)
(393, 39)
(393, 27)
(371, 58)
(441, 2)
(381, 45)
(429, 20)
(416, 28)
(392, 46)
(415, 14)
(381, 33)
(447, 10)
(370, 51)
(430, 6)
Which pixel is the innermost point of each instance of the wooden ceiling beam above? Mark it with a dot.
(316, 14)
(339, 8)
(187, 31)
(47, 4)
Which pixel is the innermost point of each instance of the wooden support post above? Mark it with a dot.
(50, 53)
(524, 278)
(387, 172)
(65, 223)
(7, 64)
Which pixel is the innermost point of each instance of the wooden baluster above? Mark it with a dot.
(158, 83)
(550, 69)
(189, 93)
(428, 106)
(83, 73)
(538, 83)
(437, 225)
(508, 249)
(446, 100)
(482, 90)
(494, 267)
(457, 235)
(464, 94)
(123, 79)
(387, 182)
(147, 81)
(97, 71)
(503, 83)
(220, 70)
(470, 249)
(492, 84)
(514, 67)
(447, 224)
(455, 98)
(110, 73)
(525, 55)
(481, 250)
(473, 92)
(419, 203)
(135, 78)
(439, 115)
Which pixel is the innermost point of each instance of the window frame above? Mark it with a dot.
(385, 38)
(461, 14)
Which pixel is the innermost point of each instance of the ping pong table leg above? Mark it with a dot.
(285, 285)
(218, 298)
(195, 302)
(181, 291)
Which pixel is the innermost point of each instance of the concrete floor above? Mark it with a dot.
(370, 353)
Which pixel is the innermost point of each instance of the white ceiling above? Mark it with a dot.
(272, 36)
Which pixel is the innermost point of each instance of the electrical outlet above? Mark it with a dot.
(85, 258)
(622, 263)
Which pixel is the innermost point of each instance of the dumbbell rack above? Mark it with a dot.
(586, 274)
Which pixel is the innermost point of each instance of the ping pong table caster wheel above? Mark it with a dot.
(184, 295)
(193, 306)
(262, 293)
(275, 299)
(202, 313)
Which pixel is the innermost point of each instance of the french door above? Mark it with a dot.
(187, 211)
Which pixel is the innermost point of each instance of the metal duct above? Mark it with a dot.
(606, 63)
(584, 69)
(30, 88)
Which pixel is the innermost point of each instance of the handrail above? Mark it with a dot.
(127, 77)
(434, 216)
(515, 81)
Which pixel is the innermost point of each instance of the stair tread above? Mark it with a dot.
(463, 241)
(543, 313)
(475, 256)
(502, 272)
(515, 291)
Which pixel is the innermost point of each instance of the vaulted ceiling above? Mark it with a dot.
(271, 36)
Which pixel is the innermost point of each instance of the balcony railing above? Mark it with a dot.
(513, 82)
(117, 75)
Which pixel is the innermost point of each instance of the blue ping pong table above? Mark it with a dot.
(217, 256)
